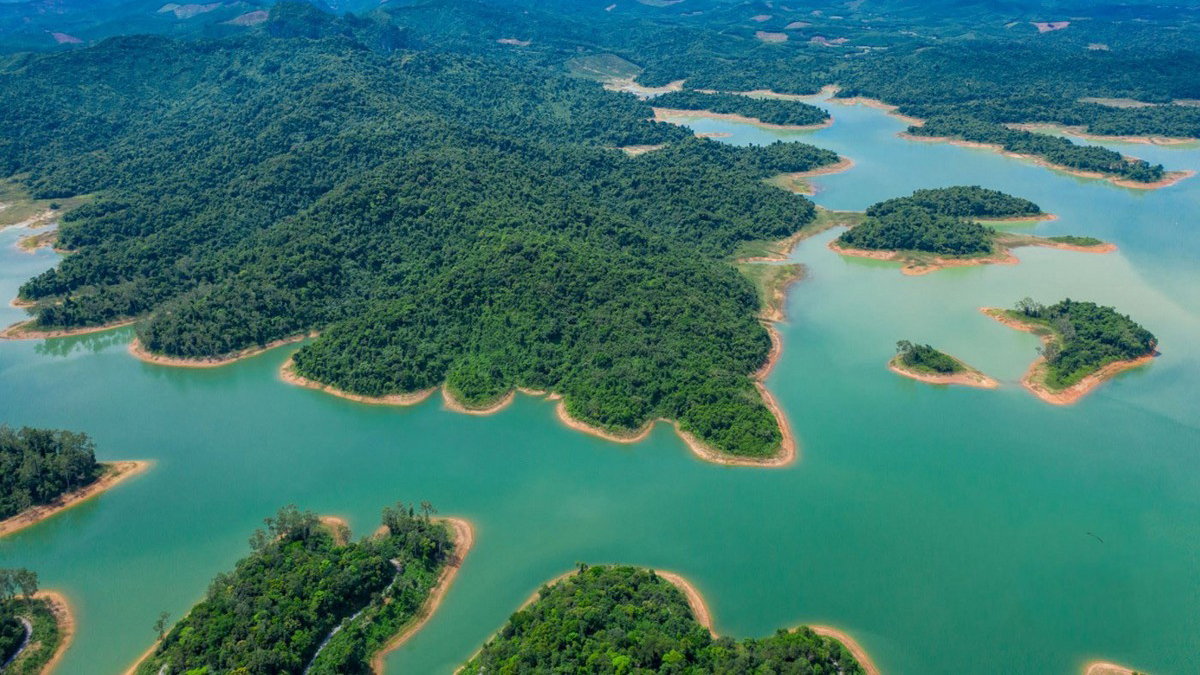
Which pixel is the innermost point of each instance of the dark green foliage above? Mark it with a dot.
(438, 217)
(271, 614)
(17, 588)
(12, 632)
(962, 201)
(39, 465)
(769, 110)
(629, 620)
(1054, 149)
(912, 228)
(1087, 338)
(925, 358)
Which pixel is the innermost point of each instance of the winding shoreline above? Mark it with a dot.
(1169, 178)
(464, 539)
(666, 115)
(1107, 668)
(65, 618)
(851, 646)
(116, 472)
(968, 377)
(1001, 255)
(1034, 375)
(288, 374)
(454, 405)
(1080, 132)
(139, 352)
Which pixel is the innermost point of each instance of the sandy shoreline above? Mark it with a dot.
(1107, 668)
(666, 115)
(338, 528)
(1081, 132)
(464, 538)
(851, 646)
(116, 472)
(140, 353)
(1033, 379)
(878, 105)
(454, 405)
(20, 330)
(289, 375)
(970, 377)
(66, 626)
(694, 600)
(1169, 178)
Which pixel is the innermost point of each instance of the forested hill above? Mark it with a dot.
(438, 216)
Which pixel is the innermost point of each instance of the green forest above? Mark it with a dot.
(936, 221)
(1087, 337)
(273, 612)
(769, 110)
(39, 465)
(616, 619)
(923, 358)
(18, 606)
(440, 218)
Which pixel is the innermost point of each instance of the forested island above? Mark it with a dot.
(35, 626)
(622, 619)
(43, 471)
(770, 111)
(932, 229)
(1083, 344)
(926, 364)
(438, 218)
(304, 602)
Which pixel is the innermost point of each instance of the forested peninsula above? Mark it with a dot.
(626, 619)
(439, 218)
(771, 111)
(1083, 344)
(36, 626)
(44, 471)
(306, 602)
(938, 228)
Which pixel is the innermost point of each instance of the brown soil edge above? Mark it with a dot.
(703, 616)
(1081, 132)
(30, 243)
(464, 538)
(338, 528)
(288, 374)
(1072, 394)
(1002, 256)
(665, 115)
(22, 331)
(141, 353)
(970, 378)
(117, 473)
(449, 402)
(1169, 178)
(1107, 668)
(61, 609)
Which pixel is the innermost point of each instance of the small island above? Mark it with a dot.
(44, 471)
(926, 364)
(768, 112)
(642, 620)
(35, 626)
(934, 229)
(307, 601)
(1083, 344)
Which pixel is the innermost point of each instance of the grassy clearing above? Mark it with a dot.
(19, 206)
(602, 67)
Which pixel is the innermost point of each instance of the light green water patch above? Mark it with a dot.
(945, 528)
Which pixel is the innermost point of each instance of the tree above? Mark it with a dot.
(160, 624)
(27, 581)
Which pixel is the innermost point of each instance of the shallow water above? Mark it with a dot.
(950, 530)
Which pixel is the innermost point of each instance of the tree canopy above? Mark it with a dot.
(39, 465)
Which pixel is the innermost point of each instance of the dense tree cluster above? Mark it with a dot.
(437, 216)
(961, 201)
(17, 587)
(271, 615)
(936, 221)
(615, 619)
(925, 358)
(769, 110)
(39, 465)
(1087, 338)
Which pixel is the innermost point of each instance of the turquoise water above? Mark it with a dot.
(945, 528)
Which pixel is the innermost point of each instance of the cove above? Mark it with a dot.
(946, 529)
